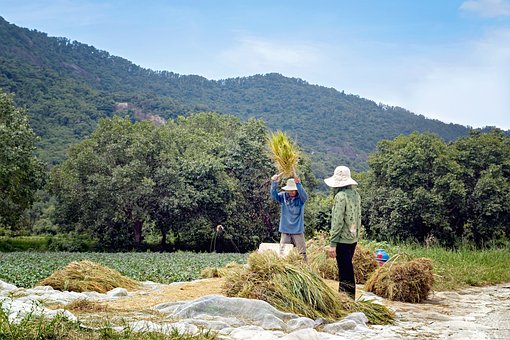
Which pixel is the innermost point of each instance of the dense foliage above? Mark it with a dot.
(421, 189)
(67, 87)
(123, 183)
(180, 180)
(21, 173)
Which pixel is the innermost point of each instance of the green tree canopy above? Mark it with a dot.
(21, 173)
(421, 189)
(180, 179)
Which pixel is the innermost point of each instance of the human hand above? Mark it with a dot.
(332, 252)
(276, 177)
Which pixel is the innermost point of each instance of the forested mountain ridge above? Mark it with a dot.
(67, 86)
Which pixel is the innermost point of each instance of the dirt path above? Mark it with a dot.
(472, 313)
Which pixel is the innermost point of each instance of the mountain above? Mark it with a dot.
(66, 86)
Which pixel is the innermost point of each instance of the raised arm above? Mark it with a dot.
(274, 189)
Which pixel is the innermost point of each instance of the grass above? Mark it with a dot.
(38, 327)
(455, 269)
(24, 243)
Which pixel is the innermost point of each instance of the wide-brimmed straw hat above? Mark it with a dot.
(341, 178)
(291, 185)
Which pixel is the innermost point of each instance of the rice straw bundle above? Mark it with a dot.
(87, 276)
(409, 281)
(363, 261)
(283, 152)
(211, 272)
(296, 289)
(318, 258)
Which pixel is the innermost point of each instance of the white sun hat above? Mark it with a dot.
(341, 178)
(291, 185)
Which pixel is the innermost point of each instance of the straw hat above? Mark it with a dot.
(291, 185)
(341, 178)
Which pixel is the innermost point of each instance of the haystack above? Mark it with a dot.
(283, 152)
(86, 276)
(212, 272)
(409, 281)
(295, 289)
(363, 261)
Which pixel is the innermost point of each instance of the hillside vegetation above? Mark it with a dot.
(66, 86)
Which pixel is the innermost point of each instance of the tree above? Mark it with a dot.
(485, 164)
(180, 179)
(414, 191)
(21, 173)
(105, 186)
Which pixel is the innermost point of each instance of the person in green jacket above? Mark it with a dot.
(345, 226)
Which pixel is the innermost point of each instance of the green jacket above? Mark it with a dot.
(345, 216)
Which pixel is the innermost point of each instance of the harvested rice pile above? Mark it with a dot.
(364, 263)
(364, 260)
(211, 272)
(409, 281)
(283, 152)
(87, 276)
(295, 289)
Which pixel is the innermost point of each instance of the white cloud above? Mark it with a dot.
(487, 8)
(469, 86)
(465, 83)
(256, 55)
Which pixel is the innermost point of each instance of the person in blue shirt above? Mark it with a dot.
(292, 207)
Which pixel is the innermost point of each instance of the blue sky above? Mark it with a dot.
(445, 59)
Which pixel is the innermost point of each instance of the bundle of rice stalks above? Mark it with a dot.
(363, 261)
(409, 281)
(283, 152)
(318, 259)
(295, 289)
(86, 276)
(212, 272)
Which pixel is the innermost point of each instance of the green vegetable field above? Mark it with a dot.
(25, 269)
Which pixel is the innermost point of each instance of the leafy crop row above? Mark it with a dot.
(25, 269)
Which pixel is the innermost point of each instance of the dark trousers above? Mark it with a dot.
(344, 254)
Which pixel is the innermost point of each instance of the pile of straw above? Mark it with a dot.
(87, 306)
(320, 263)
(363, 261)
(409, 281)
(283, 152)
(212, 272)
(295, 289)
(86, 276)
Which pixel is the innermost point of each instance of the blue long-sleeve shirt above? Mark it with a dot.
(292, 210)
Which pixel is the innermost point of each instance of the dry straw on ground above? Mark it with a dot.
(86, 276)
(283, 152)
(363, 261)
(409, 281)
(295, 288)
(86, 306)
(212, 272)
